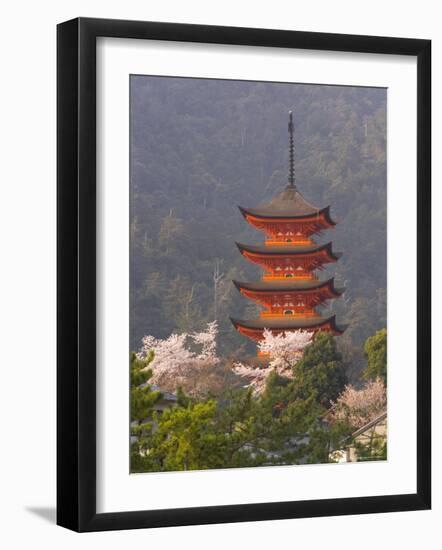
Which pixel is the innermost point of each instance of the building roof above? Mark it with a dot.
(289, 203)
(288, 323)
(166, 396)
(288, 250)
(288, 286)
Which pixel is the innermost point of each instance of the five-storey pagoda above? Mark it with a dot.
(289, 289)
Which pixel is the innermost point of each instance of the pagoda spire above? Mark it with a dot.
(291, 154)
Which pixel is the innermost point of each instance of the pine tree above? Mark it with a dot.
(186, 438)
(142, 402)
(142, 397)
(320, 372)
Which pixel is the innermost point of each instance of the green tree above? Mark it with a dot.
(375, 449)
(324, 438)
(186, 438)
(239, 430)
(268, 429)
(375, 350)
(142, 397)
(142, 402)
(241, 419)
(255, 429)
(320, 372)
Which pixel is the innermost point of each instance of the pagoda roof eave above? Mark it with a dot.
(286, 250)
(292, 323)
(288, 286)
(267, 215)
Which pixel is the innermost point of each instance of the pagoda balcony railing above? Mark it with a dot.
(295, 276)
(294, 241)
(295, 313)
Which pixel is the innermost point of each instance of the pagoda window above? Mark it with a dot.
(288, 275)
(288, 312)
(288, 240)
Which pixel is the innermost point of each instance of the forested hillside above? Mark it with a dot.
(200, 148)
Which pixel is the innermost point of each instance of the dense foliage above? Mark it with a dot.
(320, 372)
(199, 148)
(142, 402)
(282, 425)
(376, 353)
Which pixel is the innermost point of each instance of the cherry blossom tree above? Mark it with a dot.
(283, 351)
(185, 360)
(207, 341)
(358, 407)
(256, 377)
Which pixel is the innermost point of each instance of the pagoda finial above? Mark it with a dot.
(291, 153)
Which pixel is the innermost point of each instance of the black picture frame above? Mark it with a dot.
(76, 273)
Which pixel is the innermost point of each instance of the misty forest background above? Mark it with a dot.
(200, 148)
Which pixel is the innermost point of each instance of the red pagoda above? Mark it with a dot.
(289, 290)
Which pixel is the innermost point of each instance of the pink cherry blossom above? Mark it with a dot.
(358, 407)
(283, 350)
(176, 365)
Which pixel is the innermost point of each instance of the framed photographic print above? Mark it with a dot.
(243, 274)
